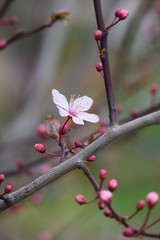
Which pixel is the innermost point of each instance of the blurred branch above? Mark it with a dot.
(112, 134)
(4, 7)
(124, 50)
(21, 33)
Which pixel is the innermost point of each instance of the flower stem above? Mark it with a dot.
(105, 61)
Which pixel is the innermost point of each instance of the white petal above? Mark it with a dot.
(83, 103)
(88, 117)
(62, 112)
(59, 99)
(78, 120)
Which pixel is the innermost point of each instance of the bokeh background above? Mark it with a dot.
(64, 57)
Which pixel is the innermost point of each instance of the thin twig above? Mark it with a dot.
(105, 61)
(5, 7)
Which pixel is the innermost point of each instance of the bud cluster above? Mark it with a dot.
(8, 188)
(8, 21)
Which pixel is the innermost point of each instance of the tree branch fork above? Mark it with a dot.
(113, 133)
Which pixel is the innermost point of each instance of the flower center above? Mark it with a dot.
(72, 113)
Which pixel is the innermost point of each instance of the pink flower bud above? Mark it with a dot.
(154, 88)
(20, 162)
(152, 199)
(119, 109)
(134, 113)
(103, 129)
(13, 20)
(17, 207)
(64, 130)
(121, 13)
(45, 236)
(37, 198)
(3, 43)
(106, 196)
(78, 144)
(2, 178)
(4, 22)
(140, 204)
(99, 67)
(45, 168)
(40, 147)
(112, 185)
(103, 123)
(98, 35)
(103, 174)
(108, 213)
(92, 158)
(41, 130)
(80, 199)
(8, 189)
(101, 205)
(128, 232)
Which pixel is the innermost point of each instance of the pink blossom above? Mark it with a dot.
(75, 108)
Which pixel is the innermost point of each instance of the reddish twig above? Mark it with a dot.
(105, 61)
(22, 33)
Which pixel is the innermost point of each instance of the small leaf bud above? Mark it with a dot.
(103, 174)
(2, 178)
(152, 199)
(98, 35)
(99, 67)
(106, 196)
(112, 185)
(8, 189)
(80, 199)
(128, 232)
(40, 147)
(140, 204)
(92, 158)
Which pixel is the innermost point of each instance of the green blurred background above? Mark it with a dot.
(64, 57)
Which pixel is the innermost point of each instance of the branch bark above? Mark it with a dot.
(112, 134)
